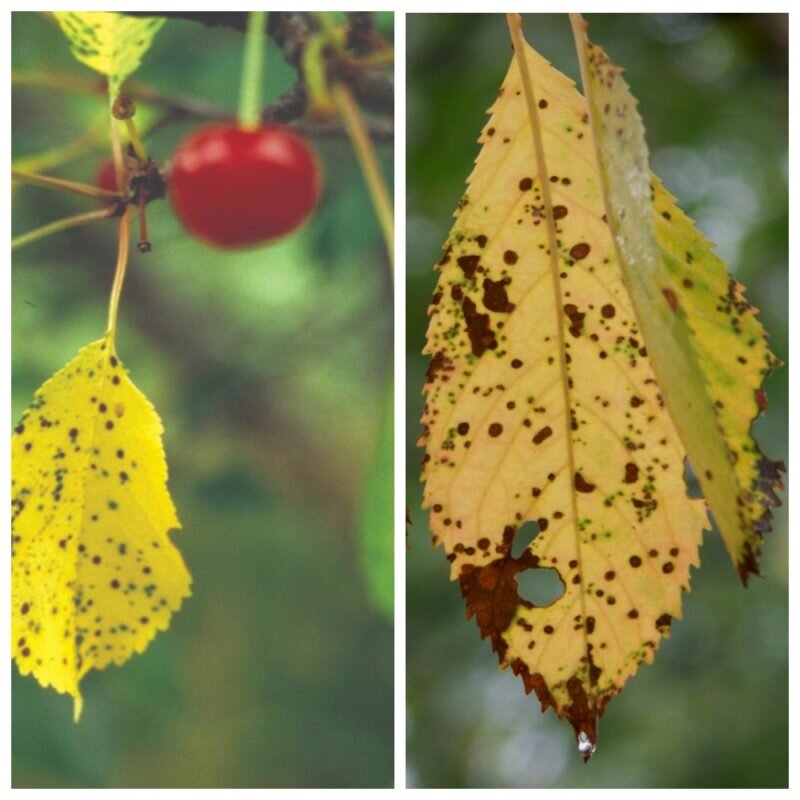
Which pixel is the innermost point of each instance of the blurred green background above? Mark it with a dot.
(712, 711)
(269, 369)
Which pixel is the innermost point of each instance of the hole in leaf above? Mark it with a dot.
(542, 586)
(523, 537)
(693, 489)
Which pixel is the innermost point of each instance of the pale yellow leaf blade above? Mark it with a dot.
(708, 350)
(94, 572)
(108, 42)
(542, 406)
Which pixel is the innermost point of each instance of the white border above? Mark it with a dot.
(400, 8)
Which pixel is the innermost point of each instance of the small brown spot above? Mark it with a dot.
(510, 257)
(463, 428)
(668, 567)
(631, 472)
(687, 283)
(664, 621)
(481, 241)
(579, 251)
(633, 613)
(548, 629)
(636, 402)
(516, 364)
(671, 298)
(610, 575)
(525, 184)
(543, 434)
(543, 103)
(559, 212)
(582, 485)
(635, 561)
(589, 624)
(608, 311)
(495, 429)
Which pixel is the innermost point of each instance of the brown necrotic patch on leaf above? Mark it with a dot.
(495, 297)
(469, 265)
(479, 330)
(492, 595)
(439, 363)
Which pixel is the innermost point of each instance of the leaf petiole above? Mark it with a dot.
(119, 273)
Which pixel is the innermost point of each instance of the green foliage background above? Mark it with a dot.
(712, 711)
(279, 670)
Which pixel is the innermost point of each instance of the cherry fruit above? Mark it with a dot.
(235, 188)
(106, 176)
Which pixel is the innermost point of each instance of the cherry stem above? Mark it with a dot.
(144, 245)
(252, 69)
(367, 158)
(116, 150)
(119, 274)
(85, 189)
(61, 225)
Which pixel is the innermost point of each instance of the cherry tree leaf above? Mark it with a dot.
(110, 43)
(94, 572)
(544, 411)
(709, 351)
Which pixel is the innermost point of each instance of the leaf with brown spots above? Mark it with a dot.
(549, 413)
(94, 572)
(708, 350)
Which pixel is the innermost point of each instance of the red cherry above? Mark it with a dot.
(106, 176)
(236, 188)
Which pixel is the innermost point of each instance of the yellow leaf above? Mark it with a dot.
(94, 572)
(113, 44)
(708, 350)
(543, 408)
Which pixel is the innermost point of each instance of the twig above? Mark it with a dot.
(368, 160)
(48, 182)
(61, 225)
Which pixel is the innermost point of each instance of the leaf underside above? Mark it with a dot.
(709, 351)
(110, 43)
(543, 407)
(94, 572)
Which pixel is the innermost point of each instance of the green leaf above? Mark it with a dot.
(377, 515)
(112, 44)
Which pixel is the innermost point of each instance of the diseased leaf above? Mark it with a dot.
(544, 411)
(709, 351)
(94, 572)
(112, 44)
